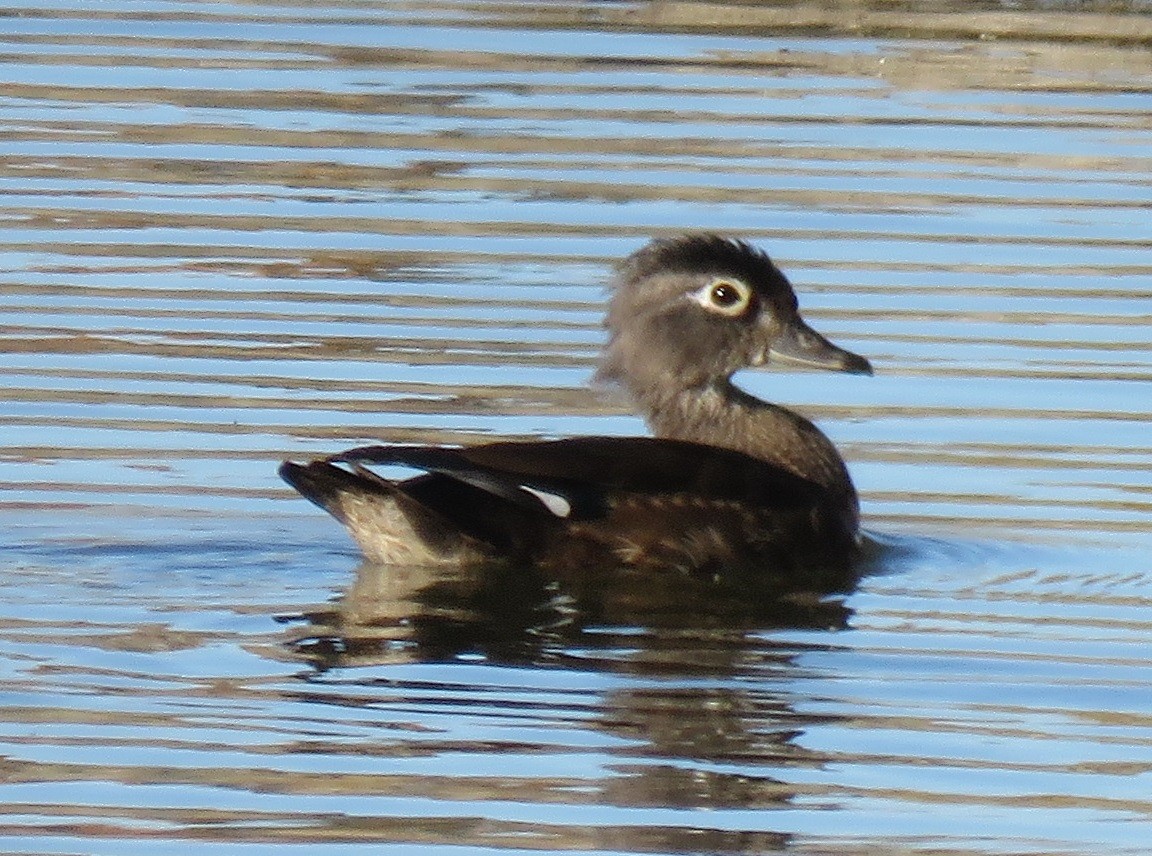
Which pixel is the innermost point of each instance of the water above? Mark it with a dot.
(237, 232)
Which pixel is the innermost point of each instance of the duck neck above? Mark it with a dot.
(721, 414)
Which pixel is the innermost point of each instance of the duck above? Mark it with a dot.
(727, 483)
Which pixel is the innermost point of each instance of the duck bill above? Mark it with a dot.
(800, 345)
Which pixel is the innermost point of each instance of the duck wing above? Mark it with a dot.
(579, 498)
(579, 478)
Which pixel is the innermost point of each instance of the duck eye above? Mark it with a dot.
(726, 296)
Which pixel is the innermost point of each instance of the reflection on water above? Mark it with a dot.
(511, 614)
(234, 233)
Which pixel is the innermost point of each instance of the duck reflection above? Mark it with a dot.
(706, 719)
(508, 614)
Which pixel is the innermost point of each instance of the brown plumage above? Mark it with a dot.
(729, 483)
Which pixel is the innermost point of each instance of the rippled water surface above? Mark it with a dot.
(235, 232)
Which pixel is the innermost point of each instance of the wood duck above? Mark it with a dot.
(729, 482)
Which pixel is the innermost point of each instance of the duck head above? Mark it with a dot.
(689, 312)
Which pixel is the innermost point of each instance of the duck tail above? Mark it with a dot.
(327, 486)
(393, 522)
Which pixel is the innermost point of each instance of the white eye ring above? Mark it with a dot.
(725, 296)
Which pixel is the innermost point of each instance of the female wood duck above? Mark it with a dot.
(729, 483)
